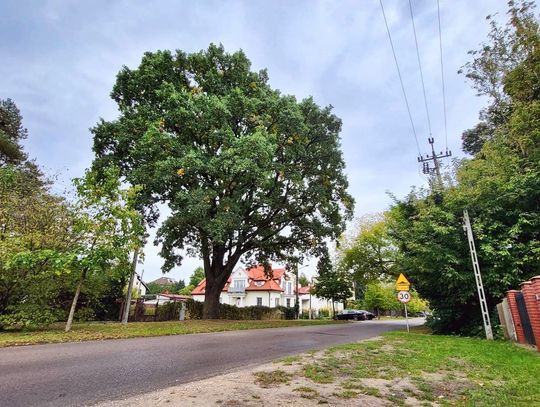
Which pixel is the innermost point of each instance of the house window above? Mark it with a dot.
(288, 302)
(259, 301)
(239, 283)
(289, 287)
(277, 302)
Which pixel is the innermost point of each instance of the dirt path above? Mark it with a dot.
(240, 389)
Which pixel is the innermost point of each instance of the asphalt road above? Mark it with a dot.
(84, 373)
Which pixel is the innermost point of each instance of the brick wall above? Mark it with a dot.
(511, 296)
(531, 295)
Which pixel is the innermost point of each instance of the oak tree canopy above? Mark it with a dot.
(247, 172)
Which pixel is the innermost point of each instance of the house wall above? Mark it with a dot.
(317, 303)
(250, 299)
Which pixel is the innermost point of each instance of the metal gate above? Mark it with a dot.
(525, 321)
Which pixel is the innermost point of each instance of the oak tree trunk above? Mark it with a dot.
(211, 299)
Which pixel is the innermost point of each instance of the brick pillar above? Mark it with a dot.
(511, 295)
(531, 294)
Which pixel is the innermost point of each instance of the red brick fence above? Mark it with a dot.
(519, 313)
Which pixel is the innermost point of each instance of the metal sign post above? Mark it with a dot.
(403, 285)
(477, 276)
(405, 297)
(407, 318)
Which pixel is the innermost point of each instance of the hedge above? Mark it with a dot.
(194, 310)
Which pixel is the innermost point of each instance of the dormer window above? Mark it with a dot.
(239, 283)
(259, 283)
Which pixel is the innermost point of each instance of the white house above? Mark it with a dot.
(247, 287)
(311, 303)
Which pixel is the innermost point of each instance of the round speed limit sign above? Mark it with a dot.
(404, 296)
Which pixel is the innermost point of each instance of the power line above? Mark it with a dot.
(420, 69)
(400, 78)
(442, 77)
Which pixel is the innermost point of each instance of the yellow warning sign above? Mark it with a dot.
(402, 284)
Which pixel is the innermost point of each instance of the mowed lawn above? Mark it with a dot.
(413, 369)
(112, 330)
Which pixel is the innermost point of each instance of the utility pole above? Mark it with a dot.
(127, 304)
(435, 158)
(477, 276)
(296, 305)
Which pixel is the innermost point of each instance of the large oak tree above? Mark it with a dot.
(247, 172)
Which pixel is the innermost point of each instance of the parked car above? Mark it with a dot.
(367, 315)
(348, 314)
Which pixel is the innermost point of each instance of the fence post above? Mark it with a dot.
(532, 309)
(535, 300)
(511, 295)
(509, 321)
(156, 309)
(182, 313)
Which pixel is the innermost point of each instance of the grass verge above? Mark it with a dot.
(113, 330)
(420, 369)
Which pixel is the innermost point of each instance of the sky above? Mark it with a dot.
(59, 60)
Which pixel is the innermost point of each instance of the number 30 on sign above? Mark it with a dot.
(404, 296)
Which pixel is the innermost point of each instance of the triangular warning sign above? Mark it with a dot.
(402, 284)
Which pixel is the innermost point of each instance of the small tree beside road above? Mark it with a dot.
(333, 285)
(107, 229)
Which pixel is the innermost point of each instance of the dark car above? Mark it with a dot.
(348, 314)
(367, 315)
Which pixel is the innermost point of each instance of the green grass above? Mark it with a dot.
(274, 378)
(113, 330)
(289, 360)
(318, 373)
(449, 370)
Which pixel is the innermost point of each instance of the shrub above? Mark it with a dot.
(29, 316)
(85, 314)
(168, 311)
(194, 310)
(288, 312)
(324, 312)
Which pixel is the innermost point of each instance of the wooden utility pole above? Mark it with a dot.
(477, 276)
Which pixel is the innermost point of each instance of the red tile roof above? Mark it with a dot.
(254, 274)
(304, 290)
(269, 285)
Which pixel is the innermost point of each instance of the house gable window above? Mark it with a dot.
(259, 301)
(239, 283)
(288, 287)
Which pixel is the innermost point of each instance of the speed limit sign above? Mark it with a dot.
(404, 296)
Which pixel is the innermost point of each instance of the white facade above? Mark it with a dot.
(315, 304)
(244, 291)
